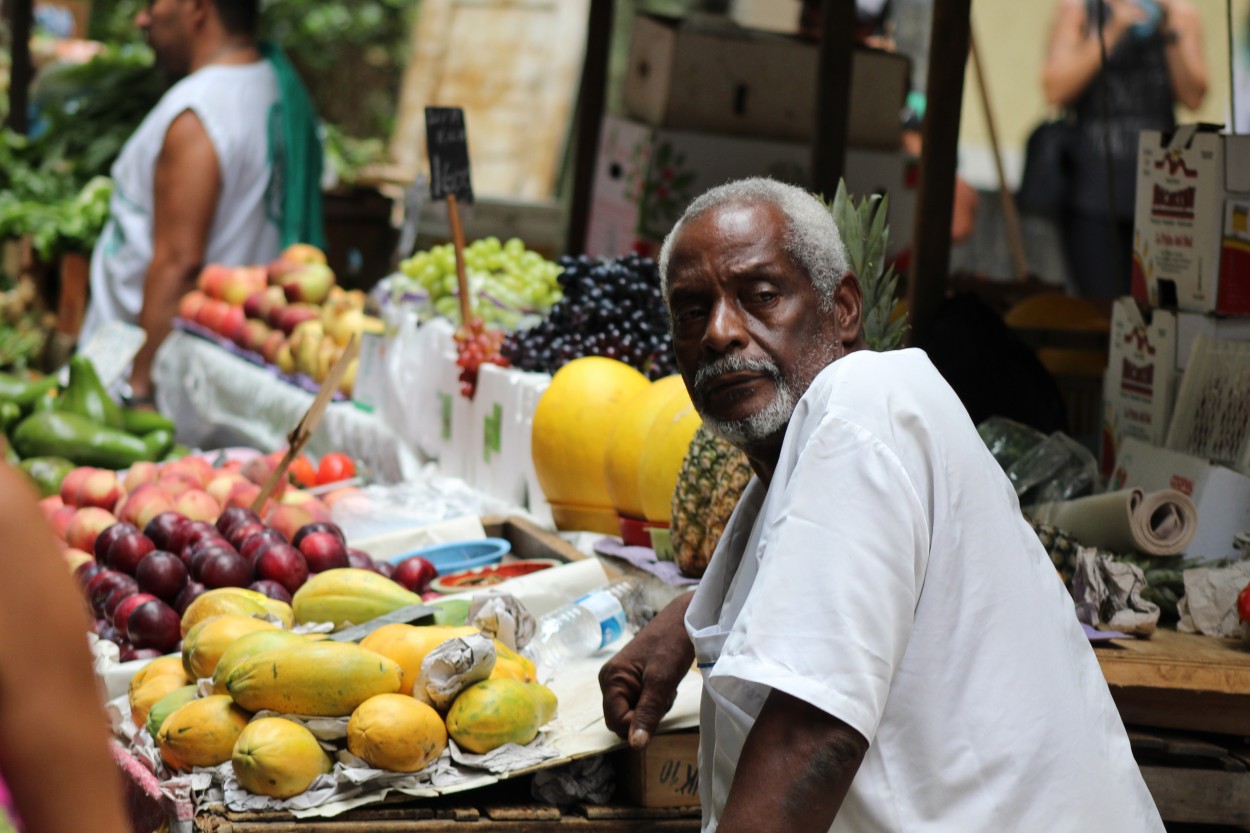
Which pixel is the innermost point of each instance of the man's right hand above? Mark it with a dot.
(640, 683)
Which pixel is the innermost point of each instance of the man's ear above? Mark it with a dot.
(848, 307)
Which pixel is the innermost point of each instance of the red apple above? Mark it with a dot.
(271, 589)
(106, 538)
(161, 529)
(415, 573)
(190, 593)
(72, 483)
(318, 526)
(225, 568)
(144, 504)
(162, 574)
(86, 526)
(197, 505)
(190, 305)
(122, 612)
(284, 564)
(154, 625)
(127, 551)
(323, 551)
(100, 488)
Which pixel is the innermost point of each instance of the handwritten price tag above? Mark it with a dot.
(448, 147)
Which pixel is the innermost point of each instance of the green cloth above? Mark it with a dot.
(300, 155)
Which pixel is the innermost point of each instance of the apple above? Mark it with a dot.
(254, 306)
(106, 538)
(144, 504)
(122, 612)
(195, 466)
(190, 305)
(139, 474)
(292, 315)
(272, 345)
(219, 487)
(271, 589)
(233, 517)
(253, 334)
(154, 625)
(386, 568)
(242, 282)
(212, 279)
(323, 551)
(252, 546)
(288, 519)
(284, 564)
(302, 253)
(415, 573)
(60, 521)
(220, 567)
(76, 558)
(162, 574)
(360, 560)
(190, 593)
(100, 488)
(318, 526)
(127, 551)
(231, 324)
(161, 529)
(213, 313)
(197, 505)
(86, 525)
(310, 284)
(243, 495)
(50, 505)
(177, 482)
(72, 483)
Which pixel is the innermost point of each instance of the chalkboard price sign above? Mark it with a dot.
(448, 146)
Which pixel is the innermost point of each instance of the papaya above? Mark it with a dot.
(508, 663)
(167, 705)
(408, 645)
(204, 644)
(277, 609)
(201, 733)
(159, 667)
(349, 596)
(319, 678)
(212, 603)
(249, 645)
(278, 757)
(396, 732)
(143, 698)
(491, 713)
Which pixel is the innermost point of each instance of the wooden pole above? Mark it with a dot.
(833, 94)
(948, 55)
(590, 105)
(462, 281)
(21, 19)
(1015, 239)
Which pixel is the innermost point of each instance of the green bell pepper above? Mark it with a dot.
(86, 443)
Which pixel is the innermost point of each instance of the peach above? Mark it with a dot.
(309, 284)
(272, 345)
(259, 469)
(75, 558)
(303, 253)
(212, 314)
(288, 518)
(100, 488)
(144, 504)
(85, 525)
(242, 282)
(219, 487)
(243, 495)
(212, 279)
(197, 505)
(191, 305)
(201, 468)
(51, 505)
(253, 335)
(139, 474)
(72, 483)
(231, 324)
(231, 466)
(331, 498)
(175, 484)
(60, 520)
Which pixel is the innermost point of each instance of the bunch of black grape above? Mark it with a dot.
(611, 308)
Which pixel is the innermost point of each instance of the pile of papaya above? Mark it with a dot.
(49, 430)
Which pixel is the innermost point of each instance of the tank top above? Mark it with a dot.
(238, 106)
(1139, 97)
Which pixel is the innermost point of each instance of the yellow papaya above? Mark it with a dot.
(159, 667)
(249, 645)
(204, 644)
(317, 678)
(213, 604)
(396, 732)
(491, 713)
(508, 663)
(349, 596)
(278, 758)
(143, 698)
(201, 733)
(408, 645)
(167, 705)
(277, 609)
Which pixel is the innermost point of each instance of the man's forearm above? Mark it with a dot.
(163, 289)
(794, 770)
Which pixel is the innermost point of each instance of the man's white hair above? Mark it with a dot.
(811, 238)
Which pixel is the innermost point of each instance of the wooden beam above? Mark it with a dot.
(21, 71)
(590, 105)
(833, 94)
(948, 55)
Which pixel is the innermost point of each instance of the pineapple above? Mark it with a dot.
(715, 473)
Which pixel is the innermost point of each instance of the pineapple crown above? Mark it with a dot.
(866, 236)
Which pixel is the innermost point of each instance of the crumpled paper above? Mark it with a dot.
(511, 757)
(589, 780)
(1107, 594)
(503, 617)
(1210, 603)
(452, 667)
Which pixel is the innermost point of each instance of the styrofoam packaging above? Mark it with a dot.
(1221, 495)
(1139, 386)
(1191, 231)
(532, 388)
(498, 465)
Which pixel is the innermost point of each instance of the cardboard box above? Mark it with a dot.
(1191, 236)
(666, 773)
(1139, 386)
(646, 176)
(720, 78)
(1221, 495)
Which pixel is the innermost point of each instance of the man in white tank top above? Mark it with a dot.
(195, 184)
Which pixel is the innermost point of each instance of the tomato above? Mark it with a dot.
(334, 467)
(1243, 604)
(302, 472)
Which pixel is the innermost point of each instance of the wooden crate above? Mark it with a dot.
(1180, 681)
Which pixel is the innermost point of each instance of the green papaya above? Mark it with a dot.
(47, 473)
(86, 443)
(139, 422)
(86, 396)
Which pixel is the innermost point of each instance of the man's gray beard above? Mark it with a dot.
(765, 424)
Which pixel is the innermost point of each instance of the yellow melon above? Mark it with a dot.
(628, 440)
(572, 423)
(665, 448)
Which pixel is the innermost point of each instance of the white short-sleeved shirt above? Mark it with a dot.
(237, 106)
(887, 577)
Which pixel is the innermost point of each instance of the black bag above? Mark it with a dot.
(1047, 178)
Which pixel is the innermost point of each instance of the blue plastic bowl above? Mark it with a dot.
(460, 555)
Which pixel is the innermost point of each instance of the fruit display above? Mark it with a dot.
(290, 314)
(508, 282)
(611, 308)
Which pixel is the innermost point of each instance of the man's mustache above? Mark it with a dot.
(735, 363)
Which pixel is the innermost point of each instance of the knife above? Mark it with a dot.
(399, 616)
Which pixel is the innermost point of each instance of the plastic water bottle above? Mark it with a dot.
(585, 625)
